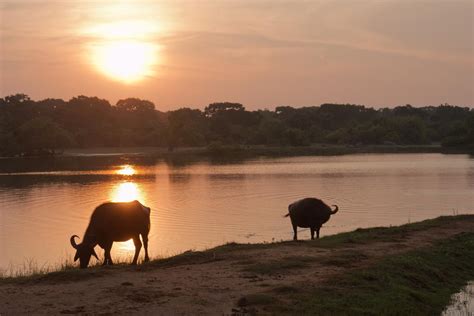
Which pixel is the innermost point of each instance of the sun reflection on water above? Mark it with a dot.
(126, 170)
(126, 192)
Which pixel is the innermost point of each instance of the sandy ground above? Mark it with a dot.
(212, 286)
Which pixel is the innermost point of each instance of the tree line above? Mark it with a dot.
(46, 126)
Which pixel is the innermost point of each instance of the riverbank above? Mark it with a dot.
(256, 150)
(222, 153)
(408, 269)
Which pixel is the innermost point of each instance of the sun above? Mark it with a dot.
(124, 51)
(126, 61)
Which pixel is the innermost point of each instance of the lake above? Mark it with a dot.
(201, 203)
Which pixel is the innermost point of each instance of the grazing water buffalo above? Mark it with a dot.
(309, 212)
(111, 222)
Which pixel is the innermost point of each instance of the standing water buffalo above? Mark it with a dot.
(111, 222)
(309, 212)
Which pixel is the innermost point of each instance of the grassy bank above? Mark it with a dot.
(416, 283)
(358, 236)
(404, 270)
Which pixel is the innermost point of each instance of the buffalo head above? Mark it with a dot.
(83, 252)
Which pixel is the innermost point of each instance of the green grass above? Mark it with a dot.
(386, 234)
(30, 267)
(419, 282)
(65, 271)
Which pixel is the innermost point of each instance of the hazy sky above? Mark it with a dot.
(260, 53)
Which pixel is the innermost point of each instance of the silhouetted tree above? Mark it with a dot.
(28, 126)
(187, 127)
(135, 105)
(41, 135)
(221, 107)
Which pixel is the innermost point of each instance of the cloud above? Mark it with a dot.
(239, 41)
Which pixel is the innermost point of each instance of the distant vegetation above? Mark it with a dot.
(29, 127)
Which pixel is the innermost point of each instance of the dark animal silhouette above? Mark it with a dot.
(111, 222)
(309, 212)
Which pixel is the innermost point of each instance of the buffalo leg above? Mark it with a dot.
(138, 246)
(312, 233)
(107, 257)
(317, 232)
(145, 245)
(295, 235)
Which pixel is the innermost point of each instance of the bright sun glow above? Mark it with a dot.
(126, 171)
(126, 192)
(125, 51)
(127, 61)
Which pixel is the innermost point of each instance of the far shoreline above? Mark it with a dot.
(216, 150)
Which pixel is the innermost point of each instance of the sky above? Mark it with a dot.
(261, 53)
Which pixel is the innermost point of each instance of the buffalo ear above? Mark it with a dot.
(76, 256)
(94, 254)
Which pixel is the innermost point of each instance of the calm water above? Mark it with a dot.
(200, 204)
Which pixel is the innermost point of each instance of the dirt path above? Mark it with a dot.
(211, 283)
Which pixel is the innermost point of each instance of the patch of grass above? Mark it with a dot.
(386, 234)
(30, 268)
(69, 274)
(65, 271)
(185, 258)
(233, 246)
(279, 266)
(418, 282)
